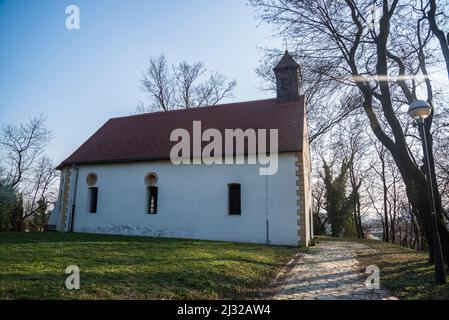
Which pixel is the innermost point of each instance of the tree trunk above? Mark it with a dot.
(419, 199)
(385, 190)
(359, 216)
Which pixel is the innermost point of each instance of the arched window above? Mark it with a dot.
(92, 198)
(152, 199)
(234, 199)
(152, 192)
(91, 179)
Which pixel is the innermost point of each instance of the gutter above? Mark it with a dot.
(267, 211)
(73, 199)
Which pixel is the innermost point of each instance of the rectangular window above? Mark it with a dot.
(234, 199)
(93, 199)
(152, 199)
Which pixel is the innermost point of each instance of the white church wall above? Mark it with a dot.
(192, 202)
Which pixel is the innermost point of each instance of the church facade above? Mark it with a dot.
(124, 180)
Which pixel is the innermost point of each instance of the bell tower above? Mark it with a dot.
(288, 77)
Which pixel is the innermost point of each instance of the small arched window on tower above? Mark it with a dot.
(92, 198)
(152, 193)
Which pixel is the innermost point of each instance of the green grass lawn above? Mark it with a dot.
(32, 266)
(405, 272)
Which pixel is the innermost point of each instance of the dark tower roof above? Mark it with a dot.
(288, 79)
(287, 61)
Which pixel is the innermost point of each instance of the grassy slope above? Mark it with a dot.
(32, 266)
(406, 273)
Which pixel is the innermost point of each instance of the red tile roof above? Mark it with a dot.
(147, 136)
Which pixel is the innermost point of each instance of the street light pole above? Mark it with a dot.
(440, 275)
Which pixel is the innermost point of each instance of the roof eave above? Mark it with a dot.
(63, 165)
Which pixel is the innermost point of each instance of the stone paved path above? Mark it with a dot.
(329, 272)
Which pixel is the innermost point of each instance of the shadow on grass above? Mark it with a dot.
(57, 237)
(51, 237)
(137, 284)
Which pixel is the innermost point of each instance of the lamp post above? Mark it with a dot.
(420, 111)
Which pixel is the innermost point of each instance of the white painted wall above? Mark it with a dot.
(192, 202)
(55, 216)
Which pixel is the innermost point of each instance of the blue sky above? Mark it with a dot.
(80, 78)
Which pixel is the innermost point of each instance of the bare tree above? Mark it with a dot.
(215, 89)
(39, 190)
(158, 83)
(320, 218)
(381, 171)
(186, 75)
(389, 63)
(183, 86)
(21, 146)
(441, 142)
(432, 16)
(25, 169)
(357, 146)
